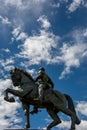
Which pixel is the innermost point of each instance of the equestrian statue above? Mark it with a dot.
(39, 93)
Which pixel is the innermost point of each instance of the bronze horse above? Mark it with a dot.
(54, 101)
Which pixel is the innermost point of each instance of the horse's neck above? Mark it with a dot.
(27, 81)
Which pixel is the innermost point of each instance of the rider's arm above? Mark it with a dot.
(38, 77)
(50, 81)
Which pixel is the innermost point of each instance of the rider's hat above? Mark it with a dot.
(41, 70)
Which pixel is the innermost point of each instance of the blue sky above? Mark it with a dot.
(48, 33)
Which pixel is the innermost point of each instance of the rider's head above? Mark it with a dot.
(41, 70)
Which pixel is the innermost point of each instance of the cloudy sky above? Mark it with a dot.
(48, 33)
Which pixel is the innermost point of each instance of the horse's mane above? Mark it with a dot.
(27, 74)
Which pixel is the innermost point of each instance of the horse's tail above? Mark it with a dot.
(71, 107)
(70, 103)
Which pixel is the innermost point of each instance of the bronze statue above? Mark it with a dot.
(54, 101)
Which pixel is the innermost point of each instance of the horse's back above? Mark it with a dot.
(60, 96)
(56, 97)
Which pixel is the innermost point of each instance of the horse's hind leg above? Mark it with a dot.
(72, 115)
(72, 108)
(54, 116)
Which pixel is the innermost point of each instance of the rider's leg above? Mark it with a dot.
(41, 92)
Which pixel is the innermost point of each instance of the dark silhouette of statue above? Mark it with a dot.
(54, 101)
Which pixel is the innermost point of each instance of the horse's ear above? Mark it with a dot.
(10, 71)
(15, 68)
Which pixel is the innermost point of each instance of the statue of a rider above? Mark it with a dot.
(44, 82)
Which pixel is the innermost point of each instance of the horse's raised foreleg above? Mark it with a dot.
(11, 91)
(54, 116)
(6, 94)
(25, 107)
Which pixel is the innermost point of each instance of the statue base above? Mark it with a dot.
(26, 129)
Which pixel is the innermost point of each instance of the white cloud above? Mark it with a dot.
(85, 5)
(85, 33)
(14, 3)
(63, 1)
(72, 55)
(35, 6)
(83, 125)
(23, 4)
(5, 20)
(82, 107)
(8, 117)
(18, 34)
(6, 64)
(21, 12)
(38, 48)
(66, 125)
(4, 84)
(22, 36)
(56, 5)
(74, 5)
(6, 50)
(45, 24)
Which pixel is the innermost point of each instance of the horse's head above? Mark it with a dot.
(16, 76)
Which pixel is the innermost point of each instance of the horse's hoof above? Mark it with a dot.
(48, 128)
(72, 129)
(27, 126)
(5, 98)
(78, 121)
(12, 99)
